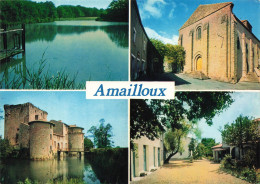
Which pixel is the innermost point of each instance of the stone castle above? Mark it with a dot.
(220, 46)
(26, 127)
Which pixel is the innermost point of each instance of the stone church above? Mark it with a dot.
(220, 46)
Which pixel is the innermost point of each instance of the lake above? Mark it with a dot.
(92, 50)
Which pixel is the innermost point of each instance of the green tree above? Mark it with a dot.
(241, 131)
(143, 121)
(88, 144)
(5, 148)
(208, 143)
(199, 151)
(173, 140)
(102, 134)
(160, 46)
(192, 146)
(150, 118)
(176, 56)
(116, 11)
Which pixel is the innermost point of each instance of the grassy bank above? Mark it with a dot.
(38, 78)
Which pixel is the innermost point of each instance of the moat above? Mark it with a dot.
(15, 170)
(92, 50)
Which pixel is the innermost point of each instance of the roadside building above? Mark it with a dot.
(219, 151)
(145, 59)
(220, 46)
(146, 156)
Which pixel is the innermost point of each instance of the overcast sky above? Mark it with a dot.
(245, 103)
(163, 18)
(87, 3)
(73, 108)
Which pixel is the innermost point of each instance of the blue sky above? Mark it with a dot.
(245, 103)
(163, 18)
(72, 108)
(87, 3)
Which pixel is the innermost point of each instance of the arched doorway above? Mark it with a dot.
(199, 63)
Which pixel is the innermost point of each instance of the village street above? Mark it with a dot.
(184, 82)
(181, 171)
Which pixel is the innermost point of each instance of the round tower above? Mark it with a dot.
(41, 139)
(76, 140)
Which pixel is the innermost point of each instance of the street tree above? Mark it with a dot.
(173, 140)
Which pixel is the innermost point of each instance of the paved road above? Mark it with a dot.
(183, 172)
(184, 82)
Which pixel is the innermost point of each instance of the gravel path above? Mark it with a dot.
(183, 172)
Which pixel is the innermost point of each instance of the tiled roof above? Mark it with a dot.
(203, 11)
(217, 146)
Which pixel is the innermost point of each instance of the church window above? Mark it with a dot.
(199, 33)
(36, 117)
(238, 43)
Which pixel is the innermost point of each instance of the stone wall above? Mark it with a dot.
(76, 139)
(17, 114)
(213, 46)
(23, 137)
(139, 41)
(220, 46)
(41, 138)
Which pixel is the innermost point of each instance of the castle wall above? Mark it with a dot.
(26, 126)
(14, 116)
(36, 114)
(76, 139)
(41, 138)
(17, 114)
(23, 136)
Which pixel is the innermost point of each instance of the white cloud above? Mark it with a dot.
(172, 10)
(152, 8)
(153, 34)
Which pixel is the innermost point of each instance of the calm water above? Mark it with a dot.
(96, 51)
(13, 170)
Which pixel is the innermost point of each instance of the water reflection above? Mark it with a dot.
(118, 33)
(95, 51)
(13, 171)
